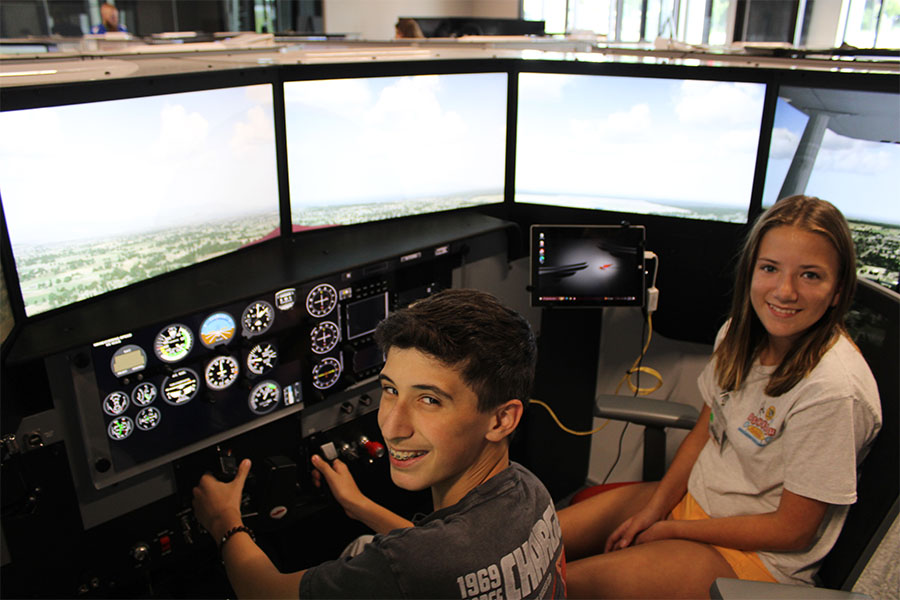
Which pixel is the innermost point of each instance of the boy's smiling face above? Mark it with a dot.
(435, 434)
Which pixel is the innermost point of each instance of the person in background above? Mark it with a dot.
(408, 28)
(109, 19)
(459, 368)
(761, 486)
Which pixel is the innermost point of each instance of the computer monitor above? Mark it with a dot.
(843, 146)
(587, 265)
(363, 150)
(101, 195)
(672, 147)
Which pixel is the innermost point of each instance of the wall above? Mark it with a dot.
(375, 19)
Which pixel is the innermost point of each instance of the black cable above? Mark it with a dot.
(637, 387)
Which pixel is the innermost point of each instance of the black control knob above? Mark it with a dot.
(347, 408)
(365, 400)
(140, 552)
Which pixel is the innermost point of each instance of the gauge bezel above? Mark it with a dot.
(145, 384)
(327, 361)
(218, 386)
(176, 373)
(313, 293)
(127, 402)
(334, 342)
(250, 331)
(120, 419)
(250, 354)
(221, 315)
(189, 343)
(257, 388)
(127, 349)
(146, 410)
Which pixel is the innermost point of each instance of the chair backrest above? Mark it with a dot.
(874, 323)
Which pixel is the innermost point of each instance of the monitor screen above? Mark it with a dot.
(843, 146)
(99, 196)
(672, 147)
(587, 265)
(369, 149)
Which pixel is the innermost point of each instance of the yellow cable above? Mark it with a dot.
(626, 378)
(635, 369)
(563, 427)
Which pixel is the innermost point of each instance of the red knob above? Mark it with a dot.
(374, 449)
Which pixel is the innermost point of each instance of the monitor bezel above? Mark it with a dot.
(538, 299)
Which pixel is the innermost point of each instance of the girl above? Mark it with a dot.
(760, 487)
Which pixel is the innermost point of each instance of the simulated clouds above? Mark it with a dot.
(656, 141)
(370, 142)
(137, 165)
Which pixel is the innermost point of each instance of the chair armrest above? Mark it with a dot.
(739, 589)
(646, 411)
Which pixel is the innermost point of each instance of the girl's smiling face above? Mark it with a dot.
(794, 283)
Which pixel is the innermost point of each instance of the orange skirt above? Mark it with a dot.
(746, 565)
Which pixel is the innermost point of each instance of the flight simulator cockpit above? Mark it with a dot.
(196, 254)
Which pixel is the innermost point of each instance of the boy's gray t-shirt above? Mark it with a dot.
(500, 542)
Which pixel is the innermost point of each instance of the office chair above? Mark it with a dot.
(874, 323)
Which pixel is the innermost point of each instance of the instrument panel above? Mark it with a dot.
(171, 388)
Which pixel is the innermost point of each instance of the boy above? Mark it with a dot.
(459, 368)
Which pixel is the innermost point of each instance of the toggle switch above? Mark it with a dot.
(329, 451)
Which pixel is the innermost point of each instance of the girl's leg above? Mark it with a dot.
(586, 525)
(663, 569)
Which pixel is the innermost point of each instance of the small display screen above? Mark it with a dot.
(365, 315)
(367, 358)
(587, 265)
(128, 359)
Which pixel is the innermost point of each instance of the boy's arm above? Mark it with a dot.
(357, 505)
(251, 573)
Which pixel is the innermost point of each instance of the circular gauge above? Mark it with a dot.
(128, 359)
(326, 373)
(173, 343)
(217, 329)
(148, 418)
(180, 387)
(257, 318)
(324, 336)
(120, 428)
(262, 358)
(264, 397)
(144, 394)
(221, 372)
(115, 404)
(321, 300)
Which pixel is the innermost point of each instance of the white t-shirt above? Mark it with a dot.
(808, 440)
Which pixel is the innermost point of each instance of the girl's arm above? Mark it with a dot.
(670, 490)
(792, 526)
